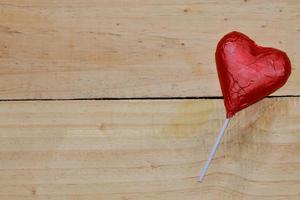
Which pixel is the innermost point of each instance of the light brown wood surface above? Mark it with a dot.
(140, 149)
(129, 150)
(97, 49)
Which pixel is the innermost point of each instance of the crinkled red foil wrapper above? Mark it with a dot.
(248, 72)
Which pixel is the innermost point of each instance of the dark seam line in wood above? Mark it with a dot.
(135, 98)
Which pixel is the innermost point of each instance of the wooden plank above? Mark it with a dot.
(148, 150)
(98, 49)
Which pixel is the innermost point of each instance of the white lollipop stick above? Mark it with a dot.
(213, 151)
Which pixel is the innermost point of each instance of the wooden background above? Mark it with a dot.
(61, 138)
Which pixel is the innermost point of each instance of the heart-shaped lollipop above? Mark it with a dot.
(248, 72)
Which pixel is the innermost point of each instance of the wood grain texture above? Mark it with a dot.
(138, 150)
(98, 49)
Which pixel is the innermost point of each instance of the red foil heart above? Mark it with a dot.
(248, 72)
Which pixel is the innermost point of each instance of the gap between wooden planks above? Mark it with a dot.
(97, 49)
(138, 150)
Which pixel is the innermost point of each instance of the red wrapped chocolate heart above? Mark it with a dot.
(248, 72)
